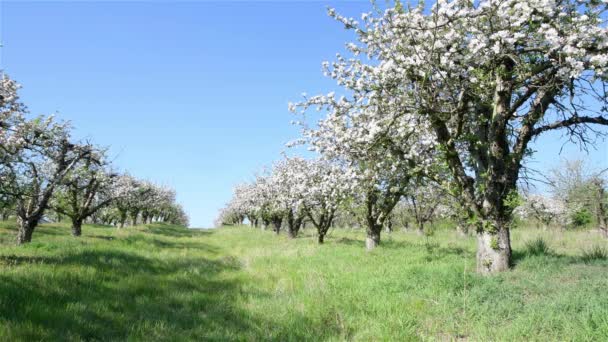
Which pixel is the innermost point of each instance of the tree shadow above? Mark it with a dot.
(116, 295)
(519, 257)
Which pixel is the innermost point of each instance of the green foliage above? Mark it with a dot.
(537, 246)
(581, 218)
(159, 283)
(513, 199)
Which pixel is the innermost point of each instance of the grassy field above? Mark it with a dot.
(168, 283)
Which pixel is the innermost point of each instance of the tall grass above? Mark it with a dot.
(168, 283)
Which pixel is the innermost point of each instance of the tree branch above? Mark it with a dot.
(575, 120)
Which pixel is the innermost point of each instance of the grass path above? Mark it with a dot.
(168, 283)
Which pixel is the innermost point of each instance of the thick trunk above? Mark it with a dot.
(373, 238)
(26, 229)
(321, 238)
(493, 250)
(76, 227)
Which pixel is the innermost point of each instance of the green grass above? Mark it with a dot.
(168, 283)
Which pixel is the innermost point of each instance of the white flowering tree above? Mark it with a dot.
(325, 186)
(244, 204)
(85, 190)
(289, 180)
(545, 210)
(487, 77)
(36, 155)
(126, 191)
(372, 134)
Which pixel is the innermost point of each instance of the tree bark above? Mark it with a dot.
(294, 222)
(26, 229)
(276, 222)
(494, 250)
(321, 238)
(76, 227)
(373, 238)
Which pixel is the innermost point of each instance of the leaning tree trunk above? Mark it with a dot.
(76, 226)
(493, 248)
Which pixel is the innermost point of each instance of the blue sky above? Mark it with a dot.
(192, 94)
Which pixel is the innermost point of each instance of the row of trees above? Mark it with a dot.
(297, 191)
(452, 94)
(43, 170)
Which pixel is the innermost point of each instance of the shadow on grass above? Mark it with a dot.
(541, 260)
(115, 295)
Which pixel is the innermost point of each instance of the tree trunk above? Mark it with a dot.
(76, 227)
(373, 238)
(389, 226)
(420, 229)
(276, 222)
(26, 229)
(294, 223)
(494, 250)
(321, 238)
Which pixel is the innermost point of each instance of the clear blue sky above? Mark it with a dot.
(193, 94)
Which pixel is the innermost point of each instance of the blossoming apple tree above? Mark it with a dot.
(487, 77)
